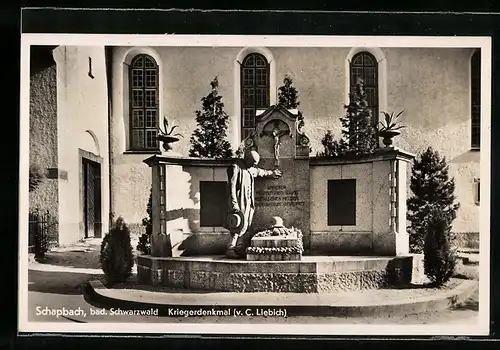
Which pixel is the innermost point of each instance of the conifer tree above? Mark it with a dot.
(358, 131)
(288, 97)
(439, 256)
(431, 188)
(209, 138)
(117, 257)
(332, 147)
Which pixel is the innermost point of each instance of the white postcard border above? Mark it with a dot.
(482, 328)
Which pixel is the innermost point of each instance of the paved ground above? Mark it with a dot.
(58, 283)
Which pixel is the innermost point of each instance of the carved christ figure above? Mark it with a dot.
(276, 134)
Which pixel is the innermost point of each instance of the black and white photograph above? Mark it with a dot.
(249, 184)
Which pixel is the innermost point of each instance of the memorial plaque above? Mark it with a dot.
(213, 203)
(275, 195)
(342, 202)
(286, 197)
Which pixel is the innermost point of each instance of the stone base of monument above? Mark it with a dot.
(389, 303)
(311, 274)
(274, 257)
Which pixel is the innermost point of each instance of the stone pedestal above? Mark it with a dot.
(313, 274)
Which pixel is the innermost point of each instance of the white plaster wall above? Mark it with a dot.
(81, 105)
(431, 84)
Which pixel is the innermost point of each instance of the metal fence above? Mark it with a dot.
(41, 232)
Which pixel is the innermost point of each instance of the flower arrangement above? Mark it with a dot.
(276, 250)
(279, 232)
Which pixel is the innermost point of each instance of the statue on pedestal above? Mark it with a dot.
(241, 199)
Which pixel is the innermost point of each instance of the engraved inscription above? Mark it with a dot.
(278, 195)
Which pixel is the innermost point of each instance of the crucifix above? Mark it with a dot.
(276, 133)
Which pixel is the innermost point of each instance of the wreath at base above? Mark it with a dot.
(279, 232)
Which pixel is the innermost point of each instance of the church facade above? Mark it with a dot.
(105, 105)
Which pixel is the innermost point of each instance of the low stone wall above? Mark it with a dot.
(312, 275)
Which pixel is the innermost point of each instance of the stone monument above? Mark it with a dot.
(284, 148)
(346, 214)
(282, 145)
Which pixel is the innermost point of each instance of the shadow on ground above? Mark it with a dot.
(87, 258)
(469, 272)
(472, 303)
(56, 282)
(133, 284)
(410, 286)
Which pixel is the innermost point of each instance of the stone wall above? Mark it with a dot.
(43, 133)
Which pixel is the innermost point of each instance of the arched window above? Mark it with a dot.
(144, 103)
(364, 65)
(254, 90)
(475, 99)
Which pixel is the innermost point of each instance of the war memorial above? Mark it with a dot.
(294, 223)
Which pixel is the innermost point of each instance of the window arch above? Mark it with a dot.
(255, 90)
(475, 99)
(144, 103)
(363, 65)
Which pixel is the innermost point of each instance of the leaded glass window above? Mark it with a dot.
(254, 90)
(143, 80)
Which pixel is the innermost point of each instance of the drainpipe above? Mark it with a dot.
(108, 55)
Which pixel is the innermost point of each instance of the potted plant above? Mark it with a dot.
(390, 127)
(166, 136)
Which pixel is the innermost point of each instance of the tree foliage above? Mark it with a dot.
(288, 97)
(432, 189)
(358, 131)
(359, 135)
(209, 138)
(117, 258)
(439, 256)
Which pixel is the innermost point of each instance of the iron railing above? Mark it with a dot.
(41, 232)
